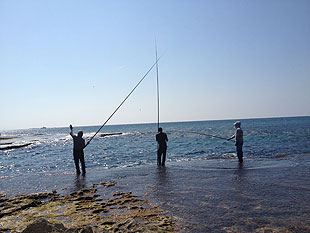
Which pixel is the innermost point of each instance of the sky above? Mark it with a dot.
(73, 62)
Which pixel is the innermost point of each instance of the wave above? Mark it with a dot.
(112, 134)
(6, 177)
(196, 152)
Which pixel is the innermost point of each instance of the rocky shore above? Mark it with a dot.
(82, 211)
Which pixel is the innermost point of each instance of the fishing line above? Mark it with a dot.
(123, 101)
(209, 135)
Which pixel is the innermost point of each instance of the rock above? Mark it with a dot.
(108, 184)
(42, 225)
(117, 193)
(14, 146)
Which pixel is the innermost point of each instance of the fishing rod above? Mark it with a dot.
(157, 86)
(209, 135)
(123, 101)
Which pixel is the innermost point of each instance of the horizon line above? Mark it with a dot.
(164, 122)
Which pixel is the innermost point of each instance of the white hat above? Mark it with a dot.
(237, 123)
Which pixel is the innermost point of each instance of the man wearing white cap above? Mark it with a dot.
(238, 140)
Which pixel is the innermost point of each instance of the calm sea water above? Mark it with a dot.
(51, 149)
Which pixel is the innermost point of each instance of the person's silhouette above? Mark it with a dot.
(78, 150)
(238, 140)
(162, 140)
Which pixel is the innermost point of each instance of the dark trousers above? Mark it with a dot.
(78, 155)
(161, 151)
(239, 153)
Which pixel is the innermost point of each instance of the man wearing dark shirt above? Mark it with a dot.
(78, 153)
(162, 140)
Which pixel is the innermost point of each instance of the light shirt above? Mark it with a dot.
(239, 136)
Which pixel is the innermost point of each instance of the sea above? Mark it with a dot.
(134, 145)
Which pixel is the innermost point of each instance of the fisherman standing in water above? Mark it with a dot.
(162, 140)
(238, 140)
(78, 153)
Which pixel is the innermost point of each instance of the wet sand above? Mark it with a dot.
(262, 195)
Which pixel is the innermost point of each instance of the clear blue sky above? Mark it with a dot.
(72, 61)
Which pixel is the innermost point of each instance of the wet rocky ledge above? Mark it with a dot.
(82, 211)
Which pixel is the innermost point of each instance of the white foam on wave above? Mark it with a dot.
(110, 134)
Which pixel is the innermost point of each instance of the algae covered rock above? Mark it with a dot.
(83, 211)
(45, 226)
(42, 225)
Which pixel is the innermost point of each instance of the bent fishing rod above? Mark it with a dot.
(123, 101)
